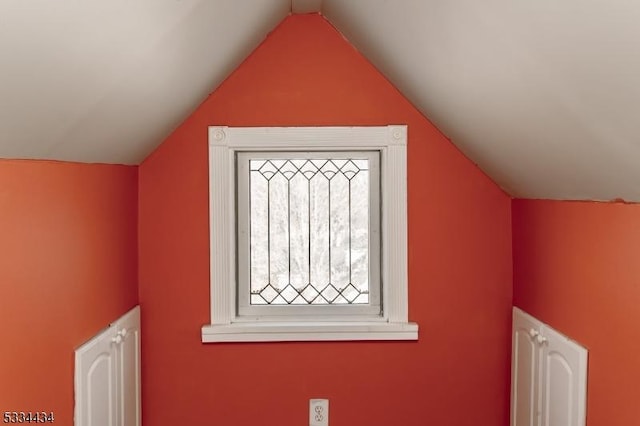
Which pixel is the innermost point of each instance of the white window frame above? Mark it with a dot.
(226, 324)
(321, 312)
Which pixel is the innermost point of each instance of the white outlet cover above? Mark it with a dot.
(318, 412)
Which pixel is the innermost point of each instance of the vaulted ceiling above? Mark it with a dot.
(543, 95)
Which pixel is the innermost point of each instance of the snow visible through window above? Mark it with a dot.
(309, 231)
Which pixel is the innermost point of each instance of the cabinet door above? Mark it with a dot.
(96, 381)
(128, 328)
(564, 371)
(525, 373)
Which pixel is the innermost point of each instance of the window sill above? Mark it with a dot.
(308, 331)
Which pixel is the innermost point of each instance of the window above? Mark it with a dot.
(308, 234)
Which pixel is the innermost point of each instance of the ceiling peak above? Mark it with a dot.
(306, 6)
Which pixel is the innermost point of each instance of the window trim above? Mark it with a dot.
(226, 325)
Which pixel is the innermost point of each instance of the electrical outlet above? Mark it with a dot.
(318, 412)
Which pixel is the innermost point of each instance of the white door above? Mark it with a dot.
(107, 377)
(128, 328)
(549, 376)
(564, 372)
(96, 377)
(525, 371)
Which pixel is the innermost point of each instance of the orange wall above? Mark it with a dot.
(68, 256)
(577, 267)
(460, 271)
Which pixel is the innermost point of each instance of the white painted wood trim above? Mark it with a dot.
(221, 216)
(306, 138)
(545, 331)
(224, 142)
(318, 331)
(112, 338)
(133, 316)
(394, 233)
(128, 327)
(100, 342)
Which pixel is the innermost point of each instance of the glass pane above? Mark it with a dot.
(299, 230)
(339, 230)
(259, 237)
(309, 231)
(319, 234)
(360, 234)
(278, 232)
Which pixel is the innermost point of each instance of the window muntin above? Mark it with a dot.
(308, 233)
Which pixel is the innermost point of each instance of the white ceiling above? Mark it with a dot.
(542, 94)
(107, 81)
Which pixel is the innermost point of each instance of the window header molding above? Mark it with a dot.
(224, 142)
(307, 138)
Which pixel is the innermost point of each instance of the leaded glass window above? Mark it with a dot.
(242, 311)
(308, 231)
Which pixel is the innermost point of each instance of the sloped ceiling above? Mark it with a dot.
(543, 95)
(107, 81)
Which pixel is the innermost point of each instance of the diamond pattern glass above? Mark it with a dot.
(309, 231)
